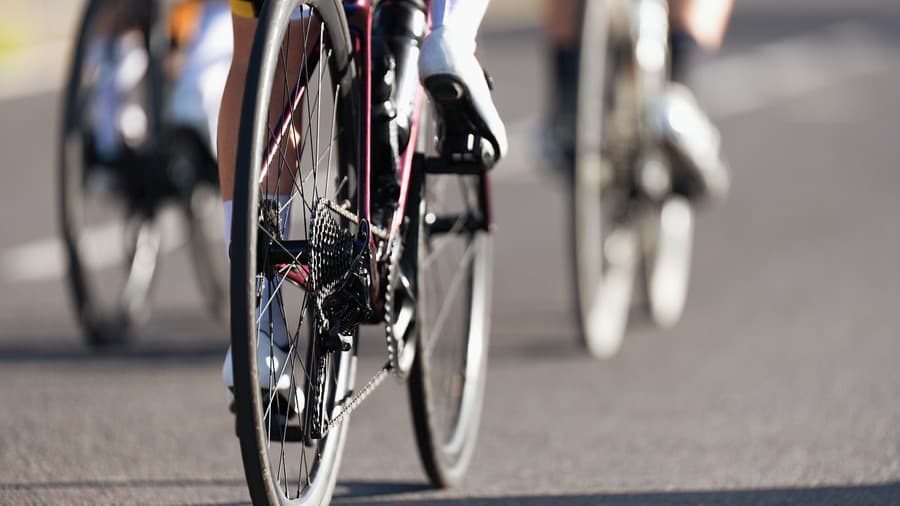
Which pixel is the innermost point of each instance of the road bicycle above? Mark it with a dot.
(321, 245)
(120, 188)
(630, 220)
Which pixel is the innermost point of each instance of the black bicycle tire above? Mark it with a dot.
(101, 331)
(273, 21)
(445, 468)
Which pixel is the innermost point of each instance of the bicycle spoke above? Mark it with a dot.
(450, 292)
(442, 244)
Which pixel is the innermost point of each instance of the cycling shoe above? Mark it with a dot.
(274, 372)
(682, 126)
(459, 89)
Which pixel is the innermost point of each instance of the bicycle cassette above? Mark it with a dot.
(340, 277)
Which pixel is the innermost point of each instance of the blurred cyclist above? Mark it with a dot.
(694, 26)
(447, 53)
(196, 68)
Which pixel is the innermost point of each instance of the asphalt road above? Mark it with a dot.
(780, 386)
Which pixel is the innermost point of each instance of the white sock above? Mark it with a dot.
(273, 312)
(461, 16)
(280, 328)
(284, 214)
(228, 205)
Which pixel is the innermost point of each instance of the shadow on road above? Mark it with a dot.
(362, 490)
(101, 484)
(875, 494)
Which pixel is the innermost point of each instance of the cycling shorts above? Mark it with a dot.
(246, 8)
(252, 8)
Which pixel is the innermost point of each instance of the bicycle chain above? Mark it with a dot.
(394, 343)
(317, 417)
(344, 213)
(360, 396)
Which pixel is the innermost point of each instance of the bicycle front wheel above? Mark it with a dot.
(604, 239)
(453, 281)
(297, 147)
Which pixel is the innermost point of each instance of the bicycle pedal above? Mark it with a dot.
(469, 154)
(446, 89)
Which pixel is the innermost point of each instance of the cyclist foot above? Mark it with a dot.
(694, 142)
(273, 368)
(461, 93)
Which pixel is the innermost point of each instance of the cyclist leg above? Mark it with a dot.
(705, 20)
(699, 170)
(452, 75)
(695, 25)
(463, 16)
(244, 28)
(244, 25)
(562, 36)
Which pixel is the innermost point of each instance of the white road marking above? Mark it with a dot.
(792, 67)
(45, 259)
(34, 70)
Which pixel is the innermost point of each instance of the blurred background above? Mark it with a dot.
(780, 385)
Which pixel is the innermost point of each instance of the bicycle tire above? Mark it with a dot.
(446, 400)
(251, 424)
(113, 323)
(604, 242)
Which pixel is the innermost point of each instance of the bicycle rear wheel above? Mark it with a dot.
(299, 120)
(109, 135)
(604, 240)
(453, 288)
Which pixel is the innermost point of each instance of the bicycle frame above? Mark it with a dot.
(359, 19)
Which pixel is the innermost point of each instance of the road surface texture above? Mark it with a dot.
(780, 386)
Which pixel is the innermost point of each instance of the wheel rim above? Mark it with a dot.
(605, 243)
